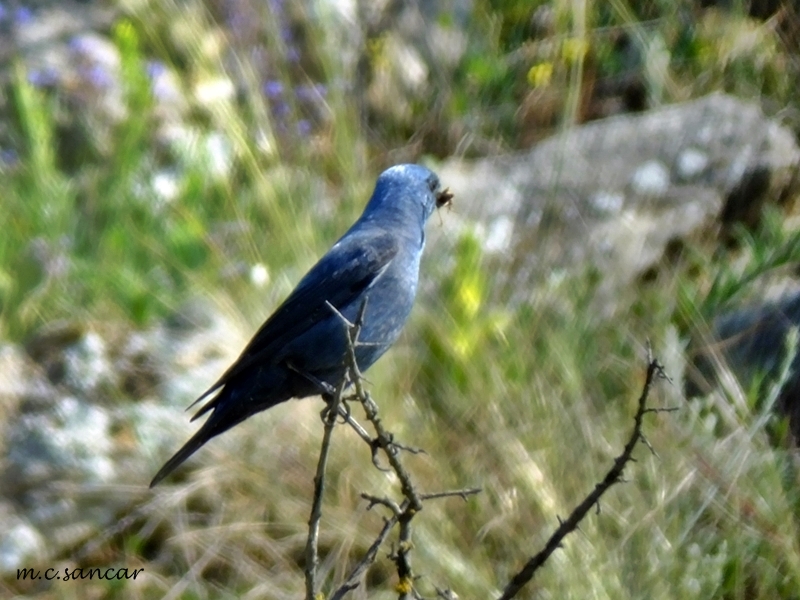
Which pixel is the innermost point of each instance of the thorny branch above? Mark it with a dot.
(329, 414)
(402, 513)
(353, 580)
(614, 475)
(312, 543)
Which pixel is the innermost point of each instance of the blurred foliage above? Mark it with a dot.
(525, 59)
(456, 343)
(261, 91)
(771, 248)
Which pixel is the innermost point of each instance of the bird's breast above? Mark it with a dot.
(389, 301)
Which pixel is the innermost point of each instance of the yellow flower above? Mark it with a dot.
(541, 74)
(404, 586)
(574, 49)
(469, 298)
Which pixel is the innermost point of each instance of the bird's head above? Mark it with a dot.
(408, 191)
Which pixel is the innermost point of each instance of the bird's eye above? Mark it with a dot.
(433, 184)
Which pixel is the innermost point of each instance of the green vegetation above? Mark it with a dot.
(532, 402)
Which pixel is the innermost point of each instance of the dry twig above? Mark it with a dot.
(330, 413)
(402, 513)
(614, 475)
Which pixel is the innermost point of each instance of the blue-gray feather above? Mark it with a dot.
(303, 343)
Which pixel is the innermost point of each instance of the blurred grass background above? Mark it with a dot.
(275, 159)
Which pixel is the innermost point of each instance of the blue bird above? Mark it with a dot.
(300, 350)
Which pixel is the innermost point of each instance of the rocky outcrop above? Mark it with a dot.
(755, 344)
(71, 434)
(614, 194)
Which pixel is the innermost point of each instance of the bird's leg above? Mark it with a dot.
(343, 410)
(375, 446)
(326, 390)
(323, 414)
(323, 387)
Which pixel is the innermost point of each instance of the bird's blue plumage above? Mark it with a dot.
(303, 343)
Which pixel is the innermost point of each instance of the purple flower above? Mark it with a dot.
(273, 89)
(281, 109)
(46, 77)
(9, 157)
(77, 44)
(304, 127)
(98, 76)
(86, 46)
(161, 85)
(23, 15)
(155, 68)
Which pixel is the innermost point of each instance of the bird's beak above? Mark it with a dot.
(444, 198)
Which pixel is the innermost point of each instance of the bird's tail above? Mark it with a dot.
(227, 413)
(232, 406)
(209, 429)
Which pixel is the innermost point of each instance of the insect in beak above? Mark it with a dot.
(444, 198)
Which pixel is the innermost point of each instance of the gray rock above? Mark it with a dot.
(21, 544)
(692, 163)
(614, 193)
(650, 179)
(75, 358)
(66, 443)
(752, 342)
(70, 440)
(20, 380)
(56, 448)
(87, 367)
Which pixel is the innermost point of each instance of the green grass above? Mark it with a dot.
(531, 402)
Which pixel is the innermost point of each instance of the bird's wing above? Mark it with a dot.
(339, 277)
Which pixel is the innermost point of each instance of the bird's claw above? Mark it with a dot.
(326, 390)
(375, 445)
(325, 412)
